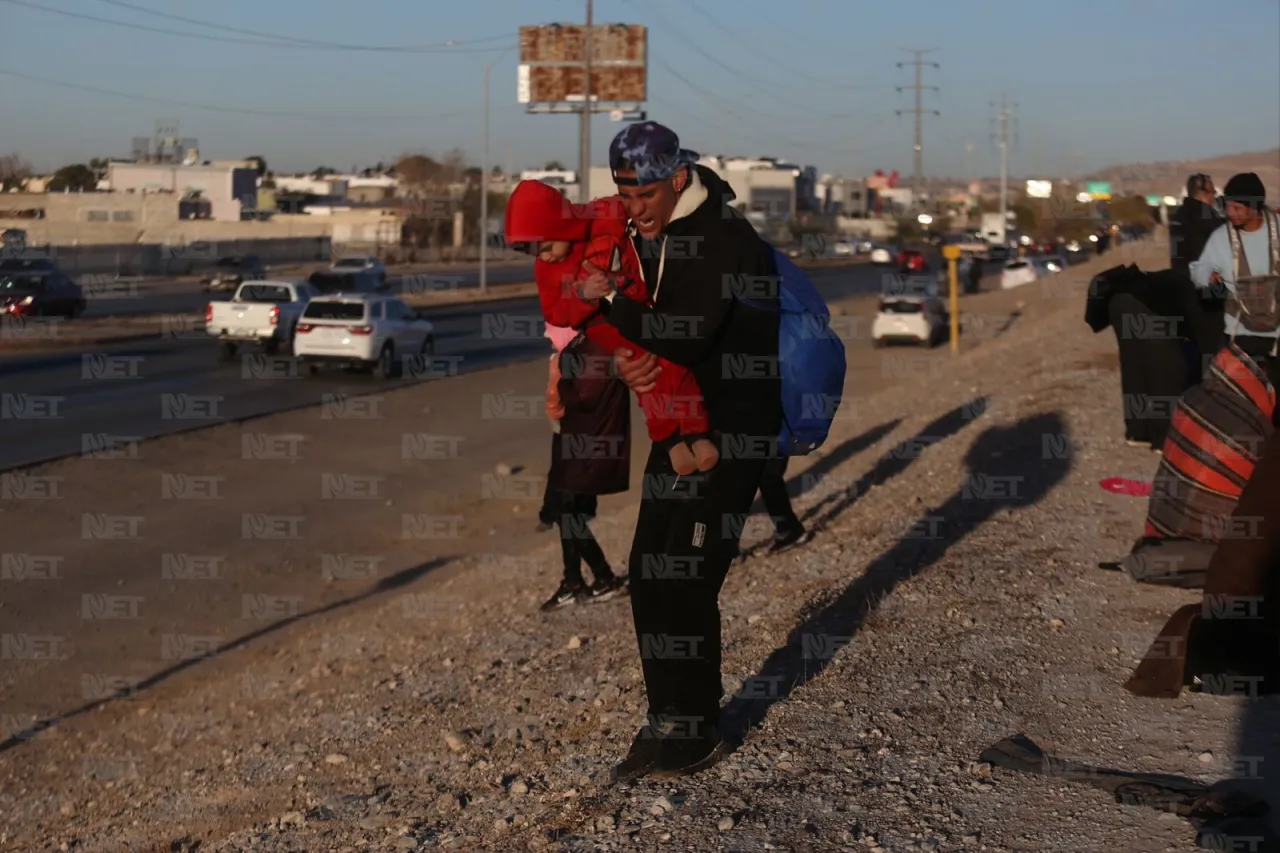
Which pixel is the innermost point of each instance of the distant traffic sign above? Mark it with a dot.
(1098, 190)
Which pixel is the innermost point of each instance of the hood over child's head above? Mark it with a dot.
(538, 213)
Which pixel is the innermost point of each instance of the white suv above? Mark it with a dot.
(363, 330)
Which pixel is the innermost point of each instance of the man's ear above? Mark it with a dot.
(680, 180)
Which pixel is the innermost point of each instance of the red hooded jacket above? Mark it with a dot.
(597, 232)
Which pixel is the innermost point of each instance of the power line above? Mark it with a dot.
(766, 55)
(764, 84)
(237, 110)
(302, 45)
(918, 111)
(760, 134)
(312, 42)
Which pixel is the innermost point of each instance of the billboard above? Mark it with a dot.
(1098, 190)
(553, 57)
(1039, 189)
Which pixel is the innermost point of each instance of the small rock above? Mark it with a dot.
(454, 742)
(405, 843)
(575, 642)
(518, 788)
(502, 469)
(292, 819)
(335, 758)
(660, 807)
(725, 824)
(1056, 623)
(1206, 758)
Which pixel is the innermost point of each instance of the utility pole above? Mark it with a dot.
(584, 153)
(918, 112)
(1002, 140)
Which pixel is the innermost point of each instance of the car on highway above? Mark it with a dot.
(365, 331)
(360, 263)
(333, 280)
(262, 312)
(913, 314)
(231, 272)
(912, 260)
(843, 248)
(880, 255)
(36, 287)
(1018, 272)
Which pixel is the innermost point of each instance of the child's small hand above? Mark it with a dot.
(596, 285)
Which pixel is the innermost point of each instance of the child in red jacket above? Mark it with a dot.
(563, 236)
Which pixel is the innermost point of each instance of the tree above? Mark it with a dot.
(259, 164)
(14, 171)
(75, 178)
(323, 171)
(1130, 210)
(99, 166)
(417, 170)
(554, 166)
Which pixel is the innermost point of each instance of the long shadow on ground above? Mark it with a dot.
(396, 581)
(1007, 469)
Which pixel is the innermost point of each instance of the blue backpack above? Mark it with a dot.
(811, 361)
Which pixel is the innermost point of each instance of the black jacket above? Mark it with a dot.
(1189, 229)
(711, 256)
(591, 454)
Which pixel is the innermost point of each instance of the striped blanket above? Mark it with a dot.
(1217, 431)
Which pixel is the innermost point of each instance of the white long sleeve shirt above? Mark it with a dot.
(1216, 257)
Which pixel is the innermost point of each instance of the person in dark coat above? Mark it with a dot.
(590, 456)
(697, 254)
(973, 276)
(1192, 223)
(1163, 332)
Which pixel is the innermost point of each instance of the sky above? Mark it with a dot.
(1090, 83)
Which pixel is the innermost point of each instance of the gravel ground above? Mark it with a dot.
(950, 599)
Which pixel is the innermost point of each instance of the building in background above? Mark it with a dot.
(222, 193)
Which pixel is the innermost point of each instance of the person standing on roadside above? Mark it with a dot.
(1192, 223)
(788, 530)
(590, 456)
(1241, 262)
(697, 253)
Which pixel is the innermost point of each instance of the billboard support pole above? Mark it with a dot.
(584, 130)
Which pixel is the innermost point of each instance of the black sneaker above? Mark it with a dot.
(641, 758)
(685, 757)
(567, 594)
(791, 539)
(607, 587)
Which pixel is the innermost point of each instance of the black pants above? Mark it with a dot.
(686, 537)
(773, 489)
(572, 514)
(1154, 369)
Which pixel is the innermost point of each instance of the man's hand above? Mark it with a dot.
(596, 285)
(639, 373)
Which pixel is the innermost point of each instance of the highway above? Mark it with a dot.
(107, 298)
(94, 401)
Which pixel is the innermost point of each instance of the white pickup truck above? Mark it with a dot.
(261, 312)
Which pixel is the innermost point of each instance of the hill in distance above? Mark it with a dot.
(1168, 178)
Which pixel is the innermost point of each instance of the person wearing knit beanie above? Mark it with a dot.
(1246, 190)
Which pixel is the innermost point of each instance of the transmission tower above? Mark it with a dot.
(918, 112)
(1003, 119)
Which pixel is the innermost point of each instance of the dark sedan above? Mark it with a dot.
(39, 290)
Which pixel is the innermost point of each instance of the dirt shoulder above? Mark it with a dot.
(405, 694)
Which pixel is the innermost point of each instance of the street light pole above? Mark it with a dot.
(584, 130)
(484, 179)
(484, 189)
